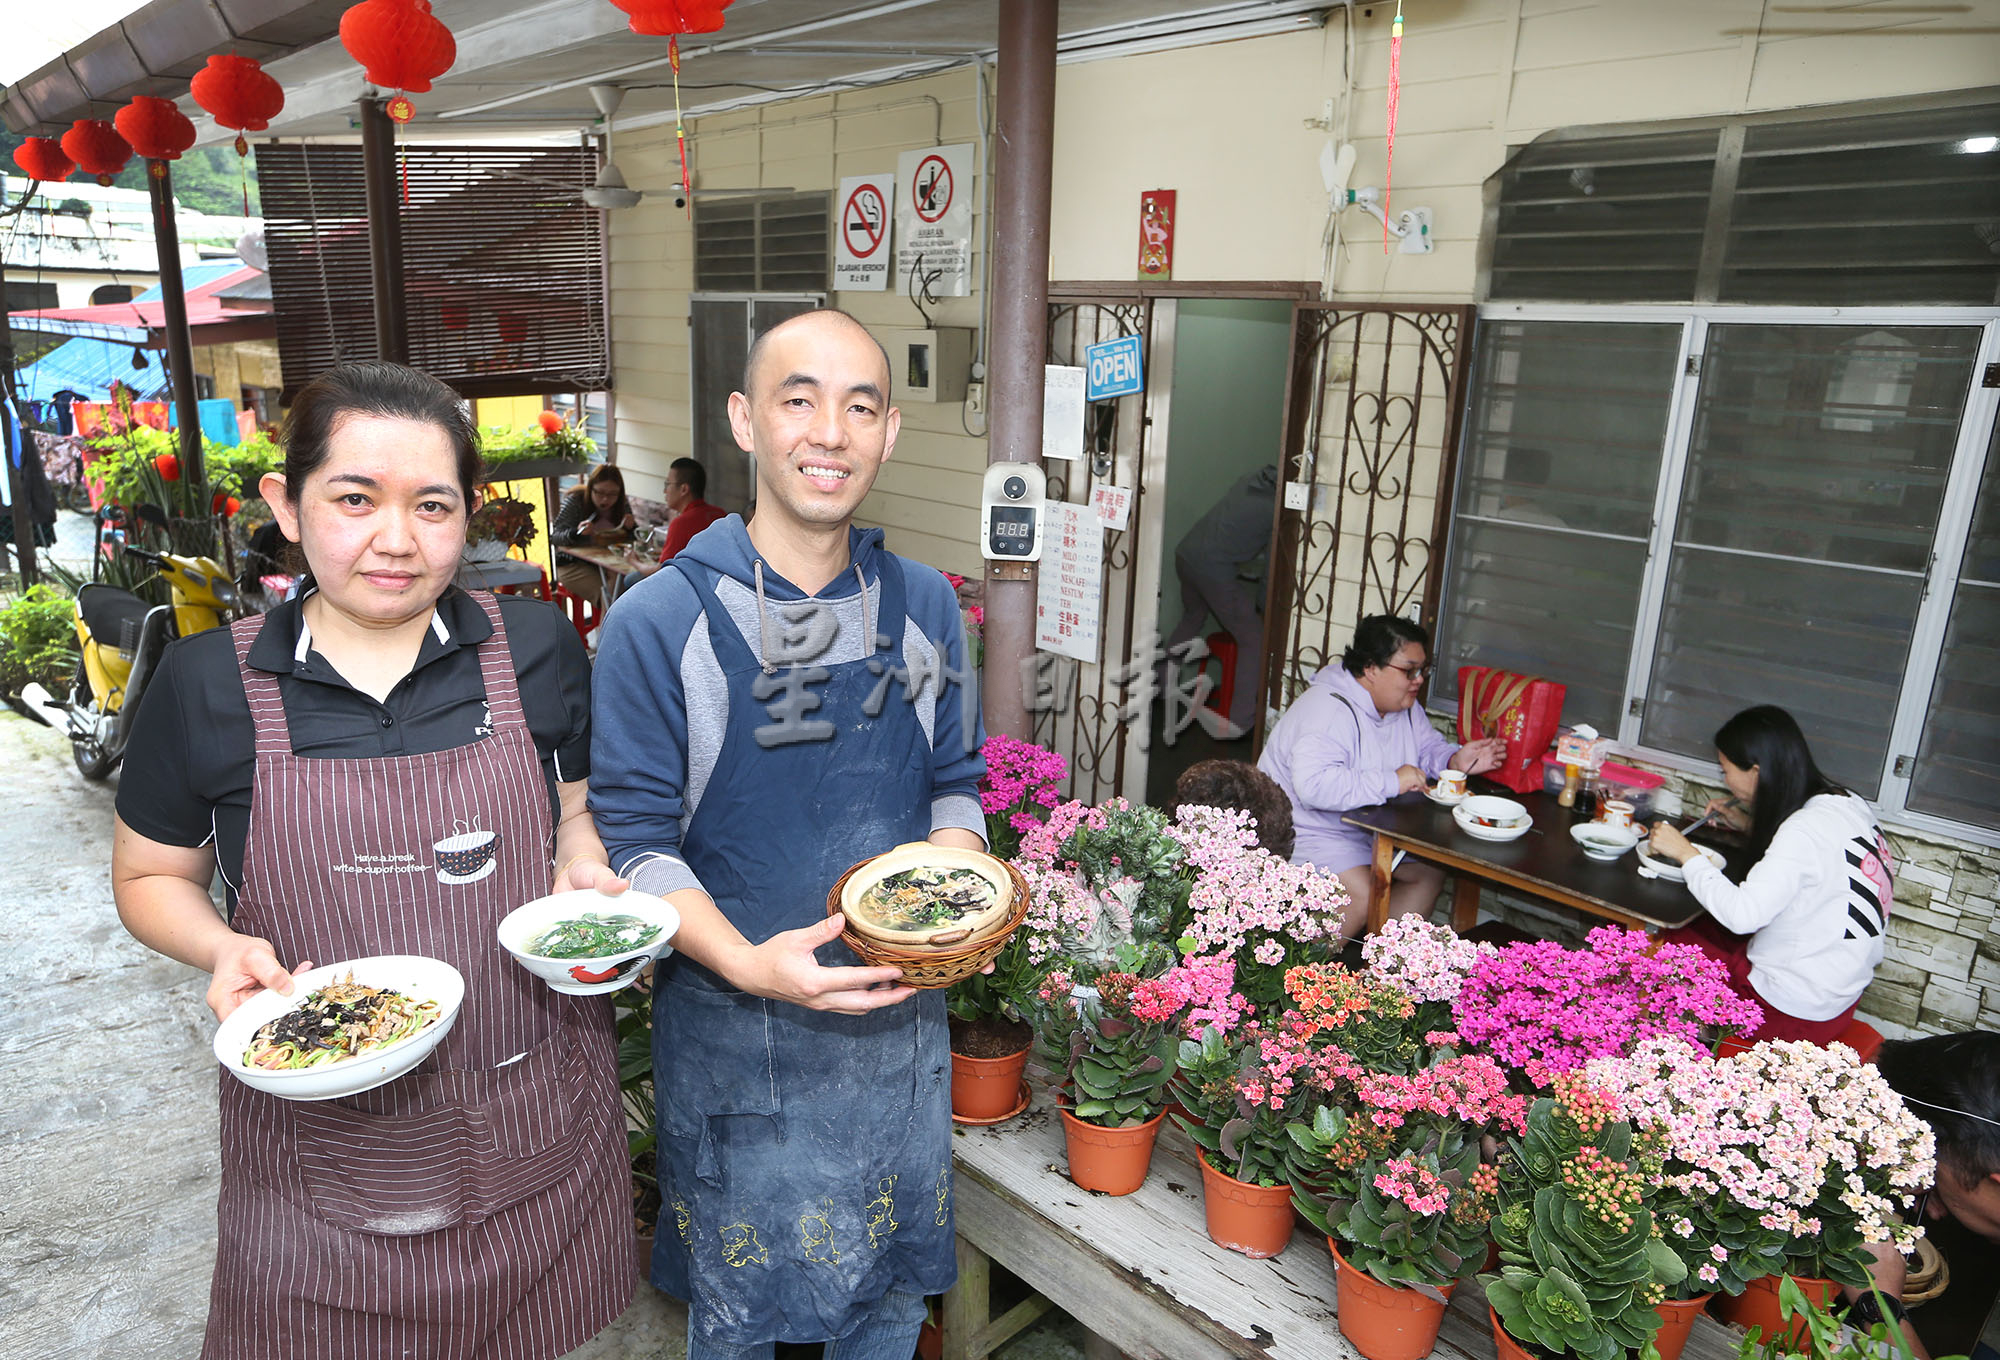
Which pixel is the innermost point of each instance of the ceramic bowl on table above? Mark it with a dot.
(1488, 818)
(1601, 841)
(598, 973)
(1666, 868)
(415, 976)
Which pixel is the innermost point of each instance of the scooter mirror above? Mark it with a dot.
(152, 514)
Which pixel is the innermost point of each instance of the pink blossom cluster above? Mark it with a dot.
(1288, 1063)
(1247, 900)
(1546, 1009)
(1471, 1089)
(1428, 961)
(1020, 776)
(1062, 905)
(1411, 1182)
(1206, 989)
(1767, 1128)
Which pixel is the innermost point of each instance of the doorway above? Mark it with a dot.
(1228, 383)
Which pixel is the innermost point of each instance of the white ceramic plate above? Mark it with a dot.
(1601, 842)
(1666, 868)
(587, 977)
(411, 974)
(1514, 818)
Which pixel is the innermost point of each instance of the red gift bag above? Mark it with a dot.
(1525, 709)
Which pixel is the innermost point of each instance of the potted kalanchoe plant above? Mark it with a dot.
(1857, 1152)
(1107, 896)
(990, 1034)
(1390, 1171)
(1581, 1268)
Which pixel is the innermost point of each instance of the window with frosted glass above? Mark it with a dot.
(1958, 765)
(1556, 484)
(1815, 474)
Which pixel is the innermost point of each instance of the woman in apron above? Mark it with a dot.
(480, 1205)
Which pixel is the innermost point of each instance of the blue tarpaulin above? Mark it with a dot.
(88, 367)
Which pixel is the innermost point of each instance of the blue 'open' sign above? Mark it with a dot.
(1115, 369)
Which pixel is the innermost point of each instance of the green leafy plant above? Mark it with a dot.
(1581, 1267)
(1419, 1220)
(632, 1008)
(1241, 1137)
(502, 519)
(38, 640)
(500, 446)
(1826, 1336)
(1115, 1042)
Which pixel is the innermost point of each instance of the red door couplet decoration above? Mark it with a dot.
(665, 18)
(239, 94)
(400, 45)
(1156, 233)
(156, 130)
(96, 148)
(42, 158)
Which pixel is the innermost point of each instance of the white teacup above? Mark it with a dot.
(1451, 783)
(1615, 812)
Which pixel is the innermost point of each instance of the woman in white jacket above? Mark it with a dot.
(1803, 931)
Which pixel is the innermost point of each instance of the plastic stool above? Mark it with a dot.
(582, 616)
(1222, 648)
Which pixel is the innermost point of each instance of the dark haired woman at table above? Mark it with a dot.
(1803, 931)
(1358, 737)
(596, 514)
(478, 1207)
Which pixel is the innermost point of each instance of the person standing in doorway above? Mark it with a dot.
(780, 700)
(1208, 562)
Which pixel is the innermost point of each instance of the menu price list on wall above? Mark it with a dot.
(1069, 592)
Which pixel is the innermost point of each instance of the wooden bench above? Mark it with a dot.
(1140, 1272)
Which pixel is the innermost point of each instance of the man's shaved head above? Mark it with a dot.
(818, 316)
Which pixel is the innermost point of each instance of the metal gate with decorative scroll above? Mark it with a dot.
(1372, 416)
(1098, 714)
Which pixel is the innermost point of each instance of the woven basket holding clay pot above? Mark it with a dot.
(926, 966)
(1930, 1275)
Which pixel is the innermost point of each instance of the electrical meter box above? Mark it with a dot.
(1012, 512)
(931, 365)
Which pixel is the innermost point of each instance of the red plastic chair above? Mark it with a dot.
(583, 615)
(540, 588)
(1859, 1035)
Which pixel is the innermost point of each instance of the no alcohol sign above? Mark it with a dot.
(934, 193)
(861, 254)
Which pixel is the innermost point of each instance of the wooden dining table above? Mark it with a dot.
(1544, 863)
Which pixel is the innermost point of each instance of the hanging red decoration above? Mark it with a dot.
(551, 422)
(225, 505)
(1395, 101)
(42, 158)
(664, 18)
(154, 128)
(168, 465)
(238, 93)
(96, 148)
(399, 43)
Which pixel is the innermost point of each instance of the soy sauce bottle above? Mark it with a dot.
(1585, 806)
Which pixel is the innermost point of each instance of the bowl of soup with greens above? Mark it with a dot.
(928, 895)
(586, 943)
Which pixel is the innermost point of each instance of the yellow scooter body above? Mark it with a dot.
(198, 606)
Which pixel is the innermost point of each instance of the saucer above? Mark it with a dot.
(481, 872)
(1445, 799)
(998, 1119)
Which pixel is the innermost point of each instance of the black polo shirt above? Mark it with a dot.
(192, 754)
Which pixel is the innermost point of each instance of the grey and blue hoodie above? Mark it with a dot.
(660, 705)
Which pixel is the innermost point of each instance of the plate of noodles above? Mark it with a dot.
(346, 1028)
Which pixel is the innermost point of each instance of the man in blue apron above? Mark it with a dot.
(784, 699)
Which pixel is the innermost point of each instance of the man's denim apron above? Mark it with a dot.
(805, 1157)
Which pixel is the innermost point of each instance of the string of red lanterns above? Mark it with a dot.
(238, 93)
(42, 158)
(401, 46)
(156, 130)
(96, 148)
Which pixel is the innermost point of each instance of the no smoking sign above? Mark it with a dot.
(861, 233)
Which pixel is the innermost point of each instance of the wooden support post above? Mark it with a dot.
(385, 232)
(1385, 860)
(180, 343)
(1464, 903)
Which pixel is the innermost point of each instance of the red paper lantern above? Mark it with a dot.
(42, 158)
(96, 148)
(399, 43)
(551, 422)
(168, 465)
(155, 128)
(665, 18)
(237, 93)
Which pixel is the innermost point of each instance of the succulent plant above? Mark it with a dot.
(1581, 1264)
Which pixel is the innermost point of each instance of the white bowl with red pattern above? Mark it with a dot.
(588, 976)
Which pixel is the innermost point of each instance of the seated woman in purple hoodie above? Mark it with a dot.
(1357, 737)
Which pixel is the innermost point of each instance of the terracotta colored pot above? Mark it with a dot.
(1253, 1219)
(1111, 1160)
(1384, 1323)
(1507, 1346)
(1757, 1306)
(986, 1088)
(930, 1343)
(1676, 1321)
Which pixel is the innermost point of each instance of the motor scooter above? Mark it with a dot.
(120, 639)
